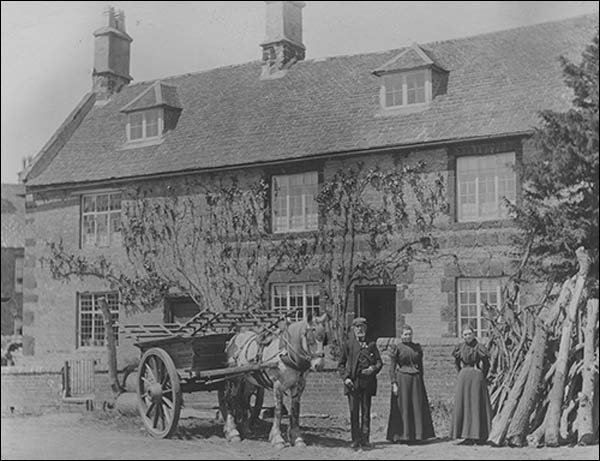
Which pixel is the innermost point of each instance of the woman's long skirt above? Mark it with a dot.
(410, 415)
(472, 418)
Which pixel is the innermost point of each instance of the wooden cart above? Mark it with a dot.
(190, 357)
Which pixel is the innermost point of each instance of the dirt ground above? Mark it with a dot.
(103, 435)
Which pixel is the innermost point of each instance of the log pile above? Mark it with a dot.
(544, 376)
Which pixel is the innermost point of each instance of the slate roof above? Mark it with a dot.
(410, 58)
(13, 215)
(497, 84)
(156, 95)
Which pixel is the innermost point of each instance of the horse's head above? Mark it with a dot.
(315, 339)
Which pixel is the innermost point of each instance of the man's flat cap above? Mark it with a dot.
(359, 321)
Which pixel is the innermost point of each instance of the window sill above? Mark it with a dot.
(293, 234)
(488, 224)
(402, 110)
(138, 143)
(95, 248)
(91, 348)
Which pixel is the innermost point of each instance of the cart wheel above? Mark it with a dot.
(159, 393)
(255, 396)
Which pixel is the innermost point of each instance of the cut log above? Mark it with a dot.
(500, 424)
(519, 425)
(552, 435)
(536, 438)
(502, 419)
(565, 432)
(584, 422)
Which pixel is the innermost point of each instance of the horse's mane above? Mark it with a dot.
(291, 340)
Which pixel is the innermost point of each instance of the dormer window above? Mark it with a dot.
(151, 114)
(406, 88)
(145, 124)
(411, 79)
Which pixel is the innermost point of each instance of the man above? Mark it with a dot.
(359, 364)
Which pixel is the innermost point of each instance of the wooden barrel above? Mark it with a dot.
(209, 351)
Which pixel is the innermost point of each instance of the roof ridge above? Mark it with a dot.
(357, 55)
(502, 31)
(189, 74)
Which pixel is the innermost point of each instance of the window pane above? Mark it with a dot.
(136, 121)
(98, 222)
(115, 228)
(102, 203)
(279, 296)
(115, 222)
(91, 319)
(312, 299)
(112, 300)
(296, 215)
(476, 298)
(393, 97)
(393, 89)
(85, 302)
(482, 184)
(293, 202)
(299, 298)
(279, 203)
(89, 230)
(85, 327)
(98, 339)
(115, 201)
(296, 295)
(415, 88)
(89, 203)
(151, 123)
(102, 230)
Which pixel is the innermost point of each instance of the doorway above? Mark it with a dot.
(378, 306)
(179, 309)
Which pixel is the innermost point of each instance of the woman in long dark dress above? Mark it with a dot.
(472, 418)
(410, 416)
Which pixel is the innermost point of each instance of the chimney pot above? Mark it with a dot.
(283, 45)
(111, 56)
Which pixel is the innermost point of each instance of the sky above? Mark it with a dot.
(48, 47)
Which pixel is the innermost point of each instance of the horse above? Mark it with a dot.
(287, 356)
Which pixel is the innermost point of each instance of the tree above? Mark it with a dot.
(211, 241)
(375, 224)
(206, 241)
(559, 210)
(548, 366)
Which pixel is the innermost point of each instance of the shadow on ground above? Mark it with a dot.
(318, 431)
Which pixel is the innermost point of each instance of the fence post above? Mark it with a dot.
(66, 381)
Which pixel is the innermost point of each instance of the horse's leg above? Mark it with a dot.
(275, 436)
(294, 434)
(232, 388)
(246, 389)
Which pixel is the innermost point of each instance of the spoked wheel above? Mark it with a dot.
(159, 393)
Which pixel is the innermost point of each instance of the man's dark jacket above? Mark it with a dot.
(348, 365)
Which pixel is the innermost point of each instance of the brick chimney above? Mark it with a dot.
(111, 56)
(283, 45)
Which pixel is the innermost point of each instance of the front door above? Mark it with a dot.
(378, 306)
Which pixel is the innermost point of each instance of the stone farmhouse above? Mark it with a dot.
(467, 107)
